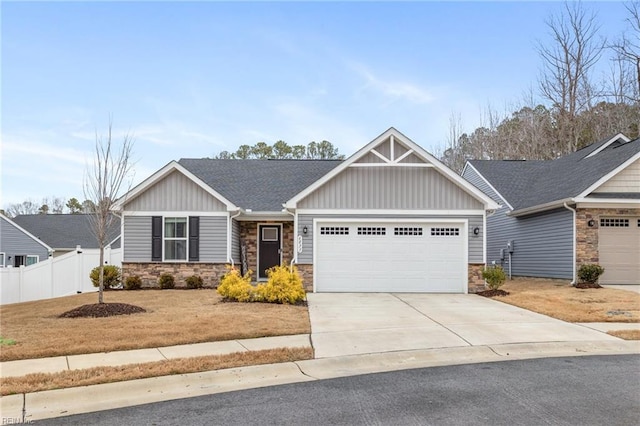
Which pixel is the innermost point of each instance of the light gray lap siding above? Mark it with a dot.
(306, 256)
(137, 238)
(543, 243)
(235, 241)
(213, 239)
(15, 242)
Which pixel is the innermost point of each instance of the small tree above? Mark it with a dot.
(102, 183)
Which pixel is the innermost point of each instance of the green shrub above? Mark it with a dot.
(166, 281)
(133, 283)
(194, 281)
(234, 286)
(590, 273)
(284, 285)
(111, 277)
(494, 276)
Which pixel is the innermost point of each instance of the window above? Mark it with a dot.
(407, 231)
(175, 238)
(334, 230)
(445, 232)
(25, 260)
(269, 234)
(372, 230)
(614, 223)
(32, 259)
(2, 260)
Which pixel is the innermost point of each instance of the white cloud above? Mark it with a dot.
(395, 89)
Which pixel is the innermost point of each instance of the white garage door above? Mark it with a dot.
(619, 250)
(390, 257)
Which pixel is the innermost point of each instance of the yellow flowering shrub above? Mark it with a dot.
(283, 286)
(234, 286)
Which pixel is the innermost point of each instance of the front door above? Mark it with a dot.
(268, 248)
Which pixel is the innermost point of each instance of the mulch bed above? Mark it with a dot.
(493, 293)
(99, 310)
(587, 285)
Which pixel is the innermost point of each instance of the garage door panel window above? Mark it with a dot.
(372, 230)
(445, 232)
(407, 231)
(334, 230)
(614, 223)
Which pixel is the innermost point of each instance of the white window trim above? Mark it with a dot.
(186, 238)
(3, 256)
(26, 259)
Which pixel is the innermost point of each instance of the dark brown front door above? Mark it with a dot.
(268, 248)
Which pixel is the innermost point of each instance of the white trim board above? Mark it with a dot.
(391, 213)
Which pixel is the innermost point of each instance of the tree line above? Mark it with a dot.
(571, 106)
(50, 205)
(281, 150)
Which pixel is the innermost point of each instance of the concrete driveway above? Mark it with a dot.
(362, 323)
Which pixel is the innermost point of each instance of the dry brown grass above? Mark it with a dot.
(558, 299)
(173, 317)
(626, 334)
(92, 376)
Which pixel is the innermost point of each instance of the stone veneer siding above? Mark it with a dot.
(150, 272)
(587, 238)
(249, 238)
(306, 273)
(475, 281)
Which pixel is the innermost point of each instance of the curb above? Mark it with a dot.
(65, 402)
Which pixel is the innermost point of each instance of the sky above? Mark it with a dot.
(191, 79)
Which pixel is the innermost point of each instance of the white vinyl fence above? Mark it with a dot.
(55, 277)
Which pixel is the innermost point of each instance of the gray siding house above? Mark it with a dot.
(64, 232)
(389, 218)
(18, 247)
(559, 214)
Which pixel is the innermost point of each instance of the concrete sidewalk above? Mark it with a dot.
(117, 358)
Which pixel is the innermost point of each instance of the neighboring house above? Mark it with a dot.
(389, 218)
(559, 214)
(64, 232)
(18, 246)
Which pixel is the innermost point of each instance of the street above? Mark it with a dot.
(593, 390)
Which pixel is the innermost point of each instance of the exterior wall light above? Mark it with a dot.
(305, 230)
(476, 231)
(591, 223)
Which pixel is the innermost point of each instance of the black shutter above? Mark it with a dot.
(156, 238)
(194, 238)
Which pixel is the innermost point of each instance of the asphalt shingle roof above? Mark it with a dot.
(65, 231)
(259, 185)
(532, 183)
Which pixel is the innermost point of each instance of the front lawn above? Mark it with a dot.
(172, 317)
(558, 299)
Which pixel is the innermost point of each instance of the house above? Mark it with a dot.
(64, 232)
(389, 218)
(18, 247)
(559, 214)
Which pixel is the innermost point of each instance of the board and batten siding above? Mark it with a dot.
(15, 242)
(543, 243)
(628, 180)
(306, 256)
(213, 239)
(416, 188)
(175, 192)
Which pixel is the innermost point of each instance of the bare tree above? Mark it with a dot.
(566, 70)
(627, 49)
(102, 183)
(26, 207)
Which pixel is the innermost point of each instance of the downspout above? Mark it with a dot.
(294, 258)
(229, 234)
(566, 206)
